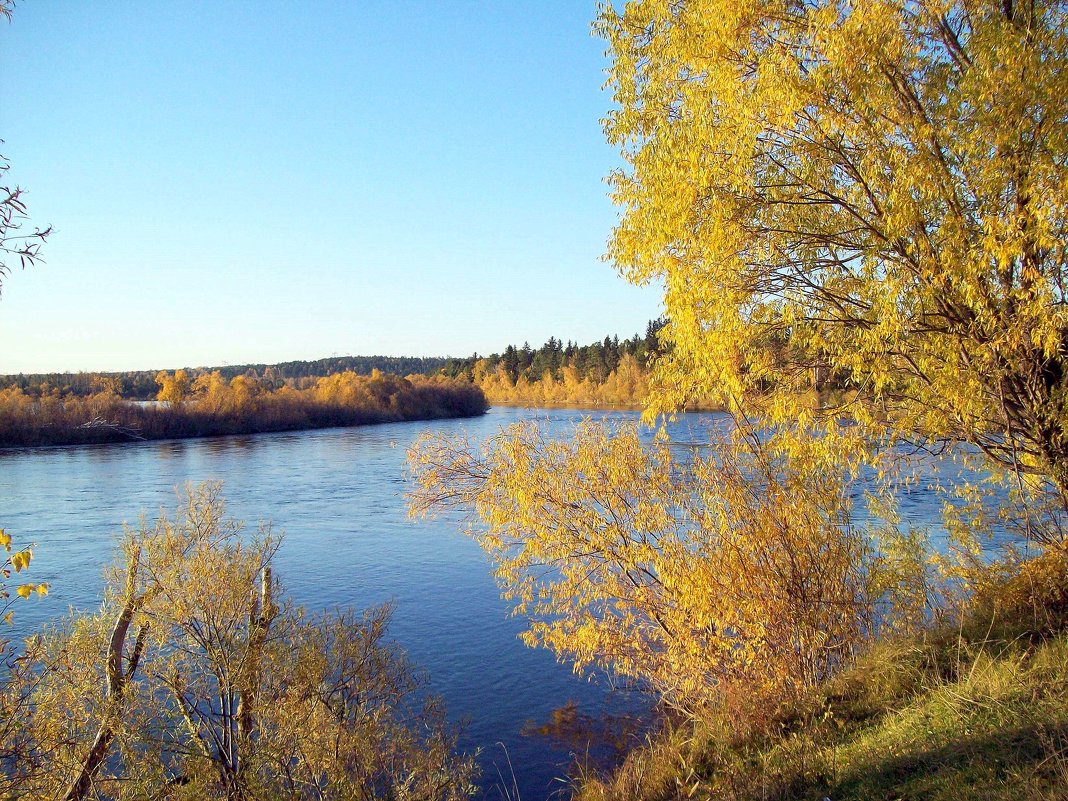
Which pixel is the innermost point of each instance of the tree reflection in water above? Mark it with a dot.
(596, 742)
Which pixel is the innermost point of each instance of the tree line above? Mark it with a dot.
(593, 362)
(141, 384)
(612, 371)
(210, 405)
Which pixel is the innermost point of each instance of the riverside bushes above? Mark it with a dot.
(213, 406)
(972, 708)
(199, 679)
(735, 575)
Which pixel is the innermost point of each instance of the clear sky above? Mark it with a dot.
(261, 181)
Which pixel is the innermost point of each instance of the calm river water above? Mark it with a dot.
(338, 495)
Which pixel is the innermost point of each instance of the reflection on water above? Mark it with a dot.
(597, 741)
(173, 449)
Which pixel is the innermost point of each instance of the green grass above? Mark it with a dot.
(977, 711)
(998, 730)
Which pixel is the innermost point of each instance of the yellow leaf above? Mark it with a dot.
(21, 560)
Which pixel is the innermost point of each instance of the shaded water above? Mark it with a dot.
(338, 496)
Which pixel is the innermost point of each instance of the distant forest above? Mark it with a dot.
(594, 362)
(142, 384)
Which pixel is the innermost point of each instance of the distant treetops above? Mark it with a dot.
(611, 372)
(607, 372)
(143, 385)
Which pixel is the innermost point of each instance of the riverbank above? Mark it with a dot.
(973, 709)
(597, 406)
(823, 400)
(228, 408)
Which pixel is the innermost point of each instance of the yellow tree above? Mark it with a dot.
(869, 192)
(211, 392)
(173, 388)
(198, 679)
(246, 390)
(865, 196)
(727, 577)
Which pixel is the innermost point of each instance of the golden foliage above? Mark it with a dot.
(173, 388)
(866, 196)
(627, 385)
(15, 560)
(209, 404)
(877, 187)
(732, 569)
(227, 690)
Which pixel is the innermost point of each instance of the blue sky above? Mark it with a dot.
(255, 182)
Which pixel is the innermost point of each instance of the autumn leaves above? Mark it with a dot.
(198, 678)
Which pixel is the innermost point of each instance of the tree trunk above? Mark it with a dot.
(117, 680)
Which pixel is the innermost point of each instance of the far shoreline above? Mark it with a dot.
(237, 408)
(127, 441)
(120, 440)
(600, 407)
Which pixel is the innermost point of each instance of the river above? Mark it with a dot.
(338, 494)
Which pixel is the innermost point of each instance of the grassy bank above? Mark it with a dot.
(975, 709)
(241, 406)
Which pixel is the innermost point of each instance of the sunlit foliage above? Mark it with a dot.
(625, 385)
(877, 186)
(199, 679)
(864, 196)
(14, 562)
(142, 385)
(173, 387)
(211, 405)
(612, 372)
(729, 574)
